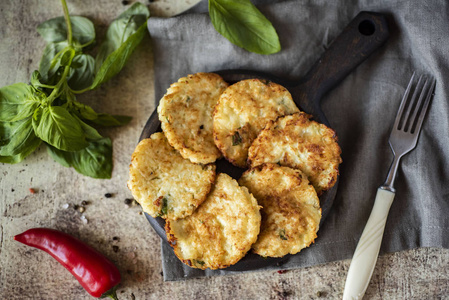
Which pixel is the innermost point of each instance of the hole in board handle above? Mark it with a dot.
(367, 27)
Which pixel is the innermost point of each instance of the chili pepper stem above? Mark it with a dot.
(111, 293)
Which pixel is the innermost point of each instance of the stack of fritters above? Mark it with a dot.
(221, 230)
(212, 221)
(291, 209)
(297, 142)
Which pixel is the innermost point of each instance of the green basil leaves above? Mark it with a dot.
(244, 25)
(95, 160)
(56, 126)
(17, 140)
(123, 36)
(55, 30)
(17, 102)
(47, 110)
(81, 75)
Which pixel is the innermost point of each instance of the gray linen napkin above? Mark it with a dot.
(361, 109)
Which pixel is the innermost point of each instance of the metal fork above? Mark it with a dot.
(403, 139)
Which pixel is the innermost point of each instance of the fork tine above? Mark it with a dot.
(403, 101)
(420, 119)
(412, 121)
(410, 105)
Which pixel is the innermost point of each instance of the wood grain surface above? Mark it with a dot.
(116, 229)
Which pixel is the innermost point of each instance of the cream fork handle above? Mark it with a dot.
(365, 255)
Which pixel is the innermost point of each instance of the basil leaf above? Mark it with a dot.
(121, 29)
(56, 126)
(244, 25)
(117, 59)
(81, 74)
(35, 79)
(236, 139)
(55, 30)
(17, 102)
(17, 138)
(19, 157)
(164, 208)
(50, 64)
(123, 36)
(86, 112)
(11, 159)
(108, 120)
(83, 111)
(135, 9)
(61, 157)
(89, 132)
(94, 161)
(282, 235)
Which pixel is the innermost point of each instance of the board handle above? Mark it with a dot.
(365, 33)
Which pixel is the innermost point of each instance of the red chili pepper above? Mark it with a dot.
(93, 270)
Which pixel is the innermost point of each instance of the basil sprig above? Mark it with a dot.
(244, 25)
(46, 110)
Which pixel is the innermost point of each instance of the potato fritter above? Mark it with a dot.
(242, 112)
(185, 113)
(297, 142)
(221, 231)
(165, 184)
(290, 211)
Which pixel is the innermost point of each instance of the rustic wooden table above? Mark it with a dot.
(27, 273)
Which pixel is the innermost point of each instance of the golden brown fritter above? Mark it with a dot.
(185, 113)
(164, 183)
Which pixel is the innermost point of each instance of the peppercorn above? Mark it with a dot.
(84, 203)
(108, 195)
(124, 2)
(115, 248)
(128, 201)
